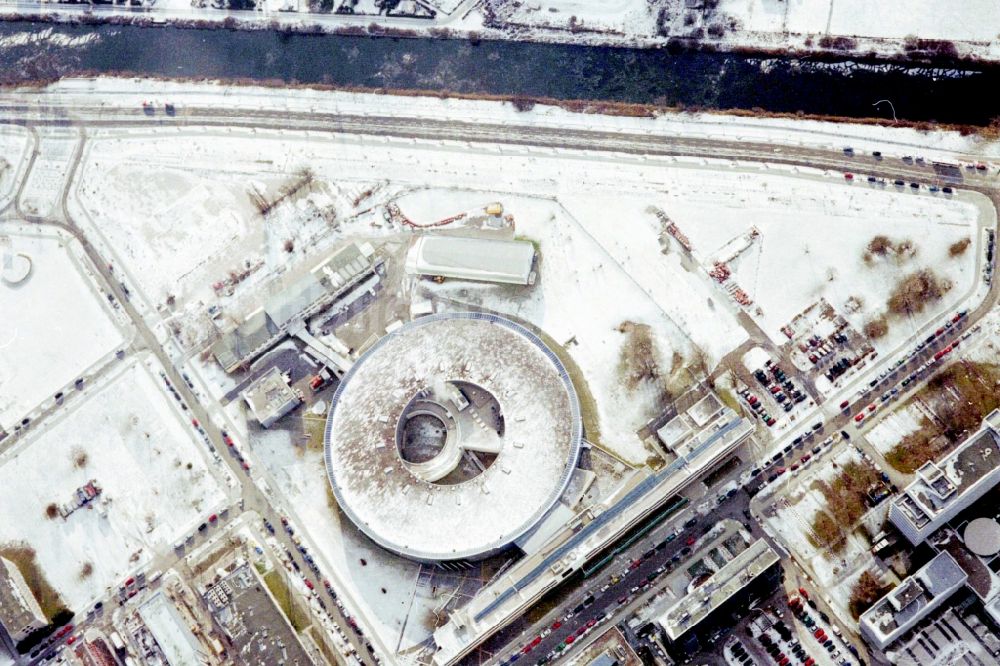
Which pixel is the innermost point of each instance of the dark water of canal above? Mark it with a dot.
(718, 80)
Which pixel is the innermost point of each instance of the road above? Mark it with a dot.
(610, 600)
(26, 109)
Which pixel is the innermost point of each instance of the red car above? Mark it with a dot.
(213, 518)
(556, 624)
(309, 584)
(818, 633)
(70, 640)
(591, 623)
(690, 541)
(804, 459)
(845, 404)
(569, 640)
(849, 176)
(858, 418)
(780, 471)
(803, 592)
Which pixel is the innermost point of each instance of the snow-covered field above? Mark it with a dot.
(804, 25)
(56, 324)
(131, 439)
(189, 220)
(813, 235)
(894, 427)
(881, 26)
(13, 143)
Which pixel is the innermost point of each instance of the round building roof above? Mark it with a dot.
(982, 537)
(452, 436)
(14, 268)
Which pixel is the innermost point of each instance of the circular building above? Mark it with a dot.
(982, 537)
(14, 268)
(452, 436)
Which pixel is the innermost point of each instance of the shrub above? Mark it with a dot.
(915, 291)
(638, 359)
(880, 245)
(866, 592)
(523, 103)
(877, 328)
(959, 247)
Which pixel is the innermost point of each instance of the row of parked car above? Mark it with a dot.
(310, 561)
(900, 183)
(741, 655)
(800, 606)
(935, 338)
(779, 386)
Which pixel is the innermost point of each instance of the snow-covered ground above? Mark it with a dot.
(131, 439)
(832, 572)
(812, 241)
(56, 324)
(300, 476)
(891, 430)
(13, 143)
(892, 141)
(189, 221)
(803, 25)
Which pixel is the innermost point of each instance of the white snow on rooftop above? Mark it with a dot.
(141, 451)
(434, 521)
(55, 326)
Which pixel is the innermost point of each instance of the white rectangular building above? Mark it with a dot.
(479, 259)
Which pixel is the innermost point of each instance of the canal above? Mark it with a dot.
(33, 51)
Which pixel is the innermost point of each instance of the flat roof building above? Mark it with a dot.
(700, 423)
(753, 569)
(178, 645)
(270, 397)
(945, 488)
(252, 622)
(20, 613)
(291, 301)
(480, 259)
(902, 608)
